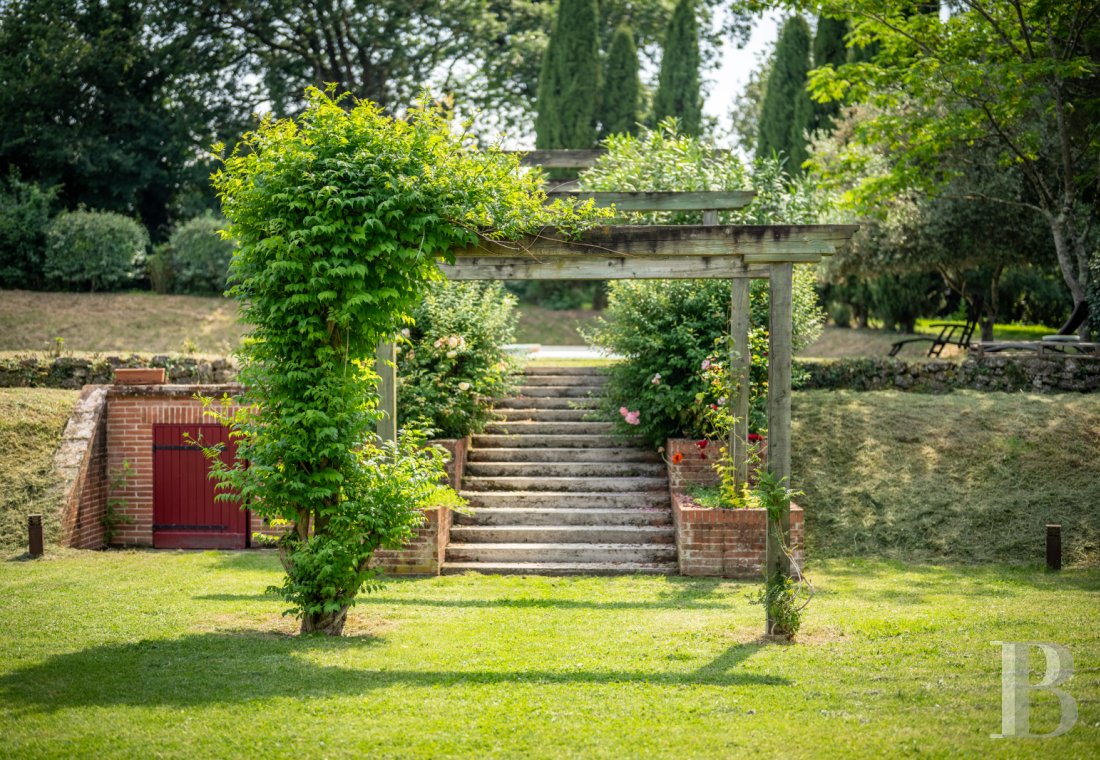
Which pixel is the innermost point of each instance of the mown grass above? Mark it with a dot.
(182, 655)
(966, 476)
(31, 421)
(132, 322)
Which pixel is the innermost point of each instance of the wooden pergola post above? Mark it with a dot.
(740, 367)
(780, 318)
(385, 364)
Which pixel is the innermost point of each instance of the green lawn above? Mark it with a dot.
(181, 655)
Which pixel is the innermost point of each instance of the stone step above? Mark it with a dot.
(563, 534)
(540, 369)
(544, 402)
(563, 455)
(552, 441)
(564, 469)
(561, 391)
(563, 380)
(564, 516)
(561, 568)
(548, 415)
(555, 552)
(567, 499)
(548, 428)
(584, 485)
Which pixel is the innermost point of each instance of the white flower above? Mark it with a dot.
(452, 341)
(464, 386)
(656, 379)
(452, 354)
(406, 332)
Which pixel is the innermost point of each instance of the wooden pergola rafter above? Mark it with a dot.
(738, 253)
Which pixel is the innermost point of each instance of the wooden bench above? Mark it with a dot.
(951, 334)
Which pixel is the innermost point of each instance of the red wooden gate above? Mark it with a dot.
(185, 514)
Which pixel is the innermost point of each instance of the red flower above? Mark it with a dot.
(677, 458)
(755, 438)
(702, 444)
(702, 455)
(714, 407)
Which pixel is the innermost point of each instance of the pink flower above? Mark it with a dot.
(632, 418)
(706, 364)
(622, 410)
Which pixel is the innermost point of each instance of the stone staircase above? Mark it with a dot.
(554, 493)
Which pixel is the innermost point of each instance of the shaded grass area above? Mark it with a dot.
(181, 655)
(967, 476)
(552, 327)
(97, 322)
(31, 422)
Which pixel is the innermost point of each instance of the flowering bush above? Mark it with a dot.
(452, 363)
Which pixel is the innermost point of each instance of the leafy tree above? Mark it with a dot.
(829, 50)
(787, 109)
(678, 87)
(1018, 79)
(569, 83)
(115, 101)
(24, 218)
(621, 86)
(340, 216)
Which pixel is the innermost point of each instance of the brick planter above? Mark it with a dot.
(726, 543)
(697, 466)
(140, 376)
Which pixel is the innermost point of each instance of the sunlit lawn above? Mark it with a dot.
(181, 655)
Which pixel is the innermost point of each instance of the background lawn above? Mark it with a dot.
(176, 654)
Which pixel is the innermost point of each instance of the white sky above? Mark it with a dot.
(725, 84)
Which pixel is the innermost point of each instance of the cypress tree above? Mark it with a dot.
(828, 49)
(787, 109)
(621, 88)
(569, 82)
(678, 86)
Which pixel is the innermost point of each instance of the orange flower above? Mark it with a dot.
(677, 458)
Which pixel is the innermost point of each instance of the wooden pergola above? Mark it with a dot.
(738, 253)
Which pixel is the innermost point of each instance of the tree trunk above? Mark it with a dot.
(328, 623)
(1070, 254)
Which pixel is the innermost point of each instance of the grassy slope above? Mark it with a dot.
(181, 655)
(551, 327)
(141, 322)
(968, 476)
(31, 422)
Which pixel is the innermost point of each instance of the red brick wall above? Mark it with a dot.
(132, 410)
(81, 467)
(696, 468)
(727, 543)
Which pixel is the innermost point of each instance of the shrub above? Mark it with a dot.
(200, 256)
(453, 364)
(93, 250)
(666, 329)
(24, 217)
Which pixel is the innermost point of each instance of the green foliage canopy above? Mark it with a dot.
(678, 86)
(569, 83)
(621, 99)
(24, 218)
(787, 110)
(199, 255)
(93, 250)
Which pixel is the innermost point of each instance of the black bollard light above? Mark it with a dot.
(1054, 547)
(34, 535)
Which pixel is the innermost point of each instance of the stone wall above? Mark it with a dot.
(727, 543)
(76, 372)
(999, 372)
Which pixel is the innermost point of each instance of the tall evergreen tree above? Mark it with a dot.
(678, 86)
(621, 88)
(569, 83)
(829, 49)
(788, 111)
